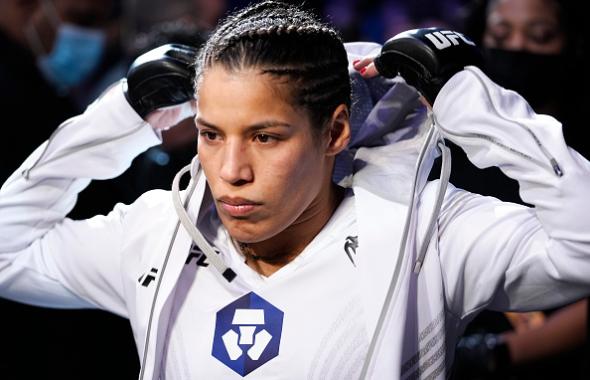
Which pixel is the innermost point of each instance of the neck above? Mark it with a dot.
(267, 257)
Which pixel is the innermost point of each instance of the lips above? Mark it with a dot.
(237, 207)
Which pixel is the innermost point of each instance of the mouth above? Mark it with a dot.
(237, 207)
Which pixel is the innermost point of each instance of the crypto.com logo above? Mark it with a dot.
(247, 333)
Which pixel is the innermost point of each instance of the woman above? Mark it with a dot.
(539, 49)
(290, 275)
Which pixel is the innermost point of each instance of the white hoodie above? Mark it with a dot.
(479, 252)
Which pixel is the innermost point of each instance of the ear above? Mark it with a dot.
(338, 131)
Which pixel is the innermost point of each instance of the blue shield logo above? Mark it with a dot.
(247, 333)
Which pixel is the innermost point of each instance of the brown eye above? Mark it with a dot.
(543, 37)
(263, 138)
(208, 135)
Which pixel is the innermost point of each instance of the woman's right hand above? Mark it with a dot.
(366, 67)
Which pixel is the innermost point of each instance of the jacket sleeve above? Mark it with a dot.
(501, 255)
(45, 258)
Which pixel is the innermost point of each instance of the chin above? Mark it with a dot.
(246, 231)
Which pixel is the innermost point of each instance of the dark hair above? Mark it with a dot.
(286, 42)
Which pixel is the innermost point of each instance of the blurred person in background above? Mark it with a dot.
(51, 52)
(537, 48)
(49, 48)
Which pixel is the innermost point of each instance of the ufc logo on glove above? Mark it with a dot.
(445, 38)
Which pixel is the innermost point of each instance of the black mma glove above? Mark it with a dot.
(427, 58)
(160, 78)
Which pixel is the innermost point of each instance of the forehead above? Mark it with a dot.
(523, 12)
(243, 96)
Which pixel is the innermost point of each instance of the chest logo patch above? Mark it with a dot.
(247, 333)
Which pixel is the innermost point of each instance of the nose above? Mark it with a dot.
(235, 166)
(516, 41)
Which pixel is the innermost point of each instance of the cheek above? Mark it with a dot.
(209, 165)
(556, 46)
(204, 159)
(488, 41)
(293, 174)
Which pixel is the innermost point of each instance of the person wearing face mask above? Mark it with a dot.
(50, 48)
(76, 51)
(539, 49)
(527, 54)
(23, 84)
(536, 48)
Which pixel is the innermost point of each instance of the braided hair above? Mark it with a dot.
(286, 42)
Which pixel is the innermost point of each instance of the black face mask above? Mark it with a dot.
(539, 78)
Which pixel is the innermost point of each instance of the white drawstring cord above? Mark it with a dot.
(440, 196)
(396, 274)
(192, 230)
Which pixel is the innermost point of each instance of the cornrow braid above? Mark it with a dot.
(284, 41)
(235, 19)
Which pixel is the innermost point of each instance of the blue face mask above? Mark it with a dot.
(76, 53)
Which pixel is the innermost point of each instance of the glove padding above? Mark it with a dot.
(160, 78)
(427, 58)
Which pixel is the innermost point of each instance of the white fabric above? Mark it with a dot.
(323, 333)
(485, 253)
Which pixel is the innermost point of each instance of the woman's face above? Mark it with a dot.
(265, 167)
(530, 25)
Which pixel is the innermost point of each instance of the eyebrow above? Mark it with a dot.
(254, 127)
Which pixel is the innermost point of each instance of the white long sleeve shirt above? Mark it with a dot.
(140, 263)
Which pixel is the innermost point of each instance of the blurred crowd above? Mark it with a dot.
(59, 55)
